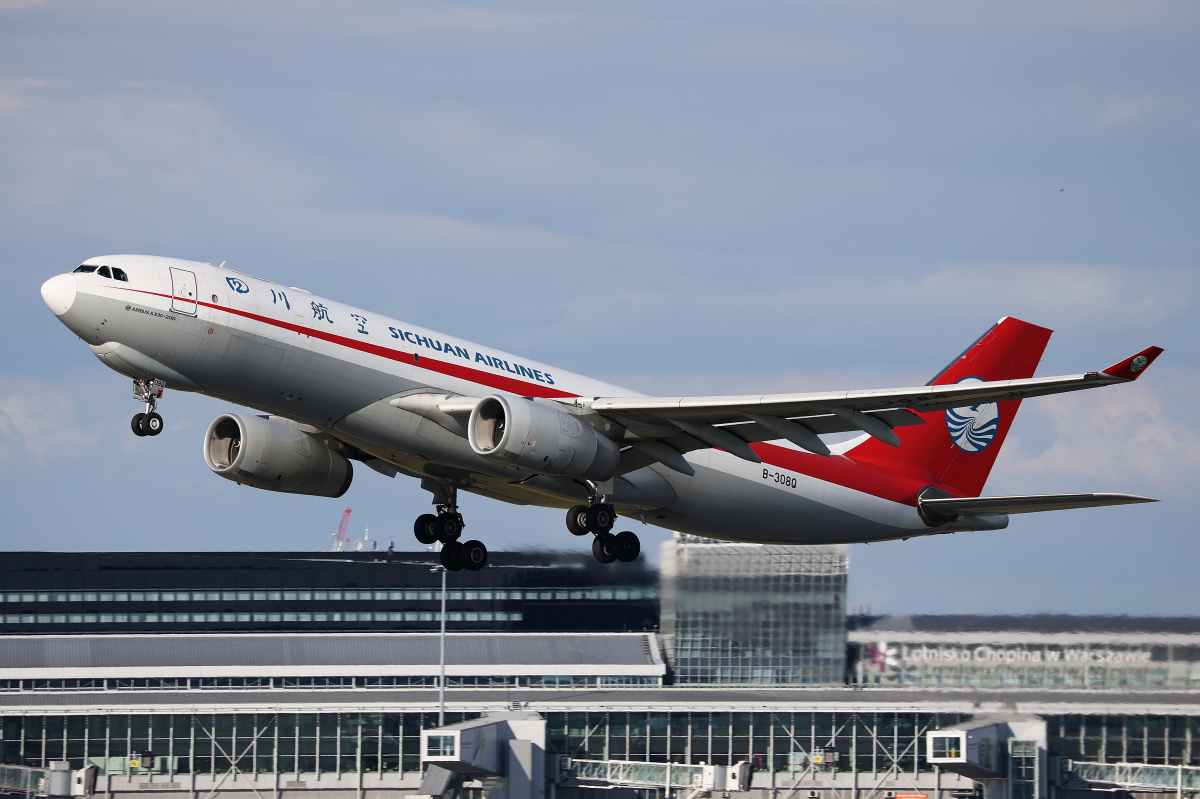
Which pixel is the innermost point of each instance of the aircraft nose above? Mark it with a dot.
(59, 293)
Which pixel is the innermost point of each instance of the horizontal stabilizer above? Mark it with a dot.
(1032, 503)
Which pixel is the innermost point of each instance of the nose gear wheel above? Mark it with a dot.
(147, 391)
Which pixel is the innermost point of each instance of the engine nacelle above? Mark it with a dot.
(540, 438)
(275, 457)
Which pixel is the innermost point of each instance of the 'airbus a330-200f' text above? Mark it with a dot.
(341, 384)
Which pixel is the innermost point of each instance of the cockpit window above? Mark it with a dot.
(114, 273)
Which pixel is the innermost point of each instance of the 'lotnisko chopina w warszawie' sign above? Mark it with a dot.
(1019, 654)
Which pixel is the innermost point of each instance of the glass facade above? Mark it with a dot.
(52, 592)
(186, 743)
(1126, 738)
(1055, 652)
(753, 614)
(876, 742)
(325, 683)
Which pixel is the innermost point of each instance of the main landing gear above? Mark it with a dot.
(149, 392)
(598, 519)
(447, 526)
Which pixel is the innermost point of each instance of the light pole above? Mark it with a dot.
(442, 650)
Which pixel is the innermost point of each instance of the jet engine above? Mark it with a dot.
(275, 457)
(540, 438)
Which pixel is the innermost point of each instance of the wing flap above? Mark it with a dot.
(1032, 503)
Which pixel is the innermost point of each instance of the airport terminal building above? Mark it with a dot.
(733, 673)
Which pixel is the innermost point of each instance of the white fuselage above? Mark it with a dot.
(317, 361)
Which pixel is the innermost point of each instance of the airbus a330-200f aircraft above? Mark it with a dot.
(340, 384)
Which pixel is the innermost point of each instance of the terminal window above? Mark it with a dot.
(945, 747)
(440, 746)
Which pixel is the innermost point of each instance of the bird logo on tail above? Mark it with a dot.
(973, 428)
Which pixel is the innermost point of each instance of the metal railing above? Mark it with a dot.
(1138, 774)
(634, 774)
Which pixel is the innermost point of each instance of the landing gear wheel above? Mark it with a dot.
(474, 555)
(627, 546)
(424, 528)
(136, 424)
(452, 556)
(602, 548)
(600, 518)
(152, 424)
(577, 520)
(449, 527)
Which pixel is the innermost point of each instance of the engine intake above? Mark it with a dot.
(274, 457)
(540, 438)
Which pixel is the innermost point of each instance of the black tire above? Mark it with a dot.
(153, 424)
(627, 546)
(449, 527)
(474, 555)
(600, 518)
(136, 424)
(452, 556)
(602, 548)
(423, 528)
(577, 520)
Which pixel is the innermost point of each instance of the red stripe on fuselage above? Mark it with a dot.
(423, 362)
(837, 469)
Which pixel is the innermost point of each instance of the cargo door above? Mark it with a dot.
(183, 291)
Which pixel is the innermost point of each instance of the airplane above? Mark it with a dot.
(339, 385)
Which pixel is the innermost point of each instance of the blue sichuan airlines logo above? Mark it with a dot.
(237, 285)
(972, 428)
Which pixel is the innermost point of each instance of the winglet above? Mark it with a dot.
(1132, 367)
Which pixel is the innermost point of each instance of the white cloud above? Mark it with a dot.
(341, 18)
(1073, 14)
(399, 229)
(14, 92)
(1140, 438)
(470, 143)
(37, 422)
(1122, 111)
(128, 143)
(1043, 291)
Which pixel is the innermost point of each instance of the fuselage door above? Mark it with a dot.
(183, 291)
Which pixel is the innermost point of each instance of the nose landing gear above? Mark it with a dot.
(149, 392)
(447, 527)
(598, 519)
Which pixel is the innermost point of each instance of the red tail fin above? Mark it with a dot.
(957, 448)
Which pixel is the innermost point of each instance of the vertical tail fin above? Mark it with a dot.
(956, 448)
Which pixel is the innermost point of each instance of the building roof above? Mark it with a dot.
(376, 653)
(1039, 623)
(135, 571)
(647, 699)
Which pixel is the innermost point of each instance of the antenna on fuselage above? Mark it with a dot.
(220, 265)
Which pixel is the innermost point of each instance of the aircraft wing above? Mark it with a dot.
(682, 424)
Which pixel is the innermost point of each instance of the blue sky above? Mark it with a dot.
(677, 197)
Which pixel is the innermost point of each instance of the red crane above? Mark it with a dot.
(339, 537)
